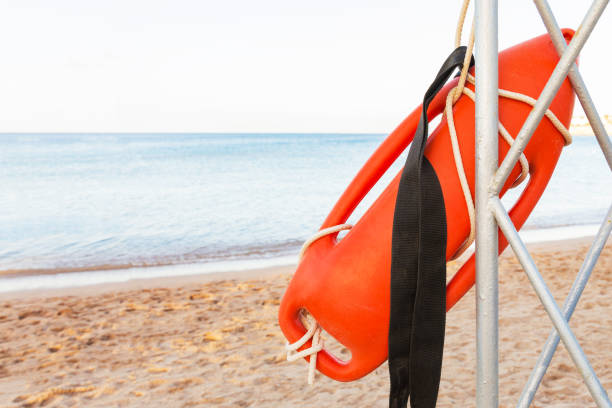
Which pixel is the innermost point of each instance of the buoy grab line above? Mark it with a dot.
(313, 329)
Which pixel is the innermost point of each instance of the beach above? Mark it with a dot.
(213, 340)
(166, 167)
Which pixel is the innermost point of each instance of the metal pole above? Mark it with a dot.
(577, 82)
(548, 93)
(548, 301)
(568, 309)
(487, 387)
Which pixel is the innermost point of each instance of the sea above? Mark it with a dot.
(78, 209)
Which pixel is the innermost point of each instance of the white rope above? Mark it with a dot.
(314, 331)
(321, 234)
(452, 98)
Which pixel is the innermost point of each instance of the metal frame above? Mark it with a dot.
(490, 213)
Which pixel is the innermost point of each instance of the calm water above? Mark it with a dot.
(91, 201)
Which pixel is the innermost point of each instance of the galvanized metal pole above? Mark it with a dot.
(550, 305)
(576, 79)
(568, 309)
(548, 93)
(486, 227)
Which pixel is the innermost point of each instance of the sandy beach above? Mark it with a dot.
(213, 340)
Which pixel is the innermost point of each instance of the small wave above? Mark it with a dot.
(108, 273)
(201, 256)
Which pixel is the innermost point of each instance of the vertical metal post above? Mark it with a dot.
(486, 226)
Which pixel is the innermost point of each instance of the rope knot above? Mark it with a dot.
(314, 333)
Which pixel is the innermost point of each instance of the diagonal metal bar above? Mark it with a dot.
(548, 93)
(546, 298)
(577, 82)
(568, 309)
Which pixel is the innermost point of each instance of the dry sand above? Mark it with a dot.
(213, 341)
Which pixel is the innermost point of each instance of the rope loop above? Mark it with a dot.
(314, 333)
(322, 233)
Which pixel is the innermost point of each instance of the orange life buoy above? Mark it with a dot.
(345, 284)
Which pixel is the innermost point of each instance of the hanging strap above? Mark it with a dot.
(418, 269)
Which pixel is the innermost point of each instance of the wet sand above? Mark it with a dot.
(213, 340)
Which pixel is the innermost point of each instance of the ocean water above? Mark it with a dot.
(106, 201)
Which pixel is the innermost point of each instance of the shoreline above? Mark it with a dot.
(529, 234)
(178, 280)
(150, 283)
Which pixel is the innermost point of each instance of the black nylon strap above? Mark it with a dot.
(418, 269)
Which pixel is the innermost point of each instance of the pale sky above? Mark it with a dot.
(244, 65)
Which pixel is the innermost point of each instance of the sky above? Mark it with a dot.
(244, 65)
